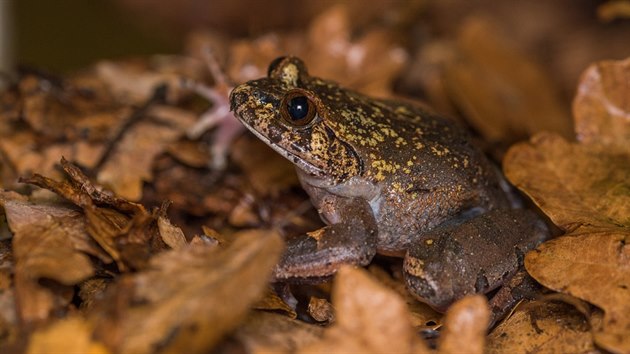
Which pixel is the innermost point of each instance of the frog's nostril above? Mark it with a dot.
(238, 97)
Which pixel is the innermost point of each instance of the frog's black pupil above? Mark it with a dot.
(298, 107)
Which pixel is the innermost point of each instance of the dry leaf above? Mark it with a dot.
(103, 225)
(465, 326)
(370, 318)
(62, 109)
(134, 82)
(504, 95)
(9, 322)
(583, 187)
(250, 58)
(21, 153)
(189, 153)
(124, 230)
(575, 185)
(272, 302)
(6, 258)
(267, 171)
(264, 332)
(9, 328)
(188, 298)
(613, 9)
(594, 267)
(91, 290)
(321, 310)
(72, 222)
(70, 335)
(423, 317)
(542, 327)
(602, 108)
(130, 165)
(368, 63)
(43, 248)
(172, 235)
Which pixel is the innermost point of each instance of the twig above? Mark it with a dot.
(159, 96)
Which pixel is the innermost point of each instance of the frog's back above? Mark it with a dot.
(429, 172)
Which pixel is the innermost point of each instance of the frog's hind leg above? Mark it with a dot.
(474, 256)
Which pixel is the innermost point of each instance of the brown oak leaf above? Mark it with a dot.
(584, 188)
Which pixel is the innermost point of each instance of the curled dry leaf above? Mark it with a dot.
(321, 310)
(103, 225)
(124, 230)
(575, 185)
(188, 298)
(272, 302)
(45, 246)
(172, 235)
(602, 108)
(542, 327)
(504, 94)
(594, 267)
(370, 318)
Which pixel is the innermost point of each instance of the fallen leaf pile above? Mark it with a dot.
(584, 187)
(136, 217)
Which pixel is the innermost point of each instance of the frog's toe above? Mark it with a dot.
(425, 286)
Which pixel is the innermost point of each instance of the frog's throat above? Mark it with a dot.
(295, 159)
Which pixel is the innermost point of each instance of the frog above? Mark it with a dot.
(388, 177)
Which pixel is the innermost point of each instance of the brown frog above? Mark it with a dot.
(387, 177)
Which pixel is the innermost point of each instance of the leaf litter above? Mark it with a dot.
(584, 187)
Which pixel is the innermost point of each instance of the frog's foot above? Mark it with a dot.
(475, 256)
(319, 254)
(228, 128)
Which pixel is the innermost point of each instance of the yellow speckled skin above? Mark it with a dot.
(397, 165)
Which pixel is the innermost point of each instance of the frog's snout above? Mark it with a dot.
(238, 97)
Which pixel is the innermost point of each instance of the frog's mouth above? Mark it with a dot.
(300, 162)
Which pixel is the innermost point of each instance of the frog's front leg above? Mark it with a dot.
(472, 256)
(350, 238)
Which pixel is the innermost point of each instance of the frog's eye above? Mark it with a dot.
(297, 108)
